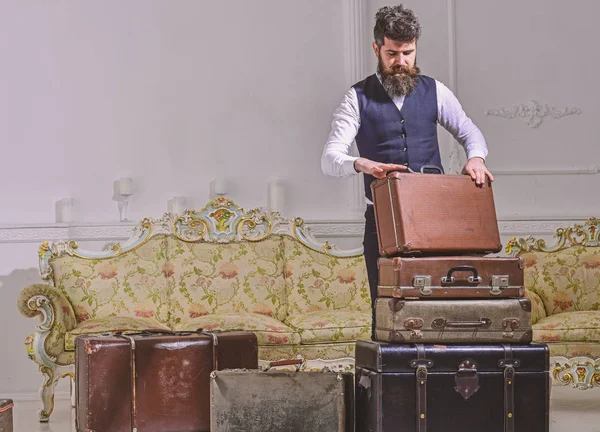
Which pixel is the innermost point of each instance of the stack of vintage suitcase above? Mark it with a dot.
(453, 329)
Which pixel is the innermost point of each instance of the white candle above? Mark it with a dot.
(276, 196)
(64, 210)
(177, 205)
(220, 186)
(125, 186)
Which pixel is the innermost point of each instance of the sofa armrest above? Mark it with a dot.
(57, 318)
(538, 311)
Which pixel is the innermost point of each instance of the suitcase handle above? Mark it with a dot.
(471, 279)
(299, 363)
(441, 323)
(431, 167)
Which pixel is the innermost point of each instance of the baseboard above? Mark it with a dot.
(32, 396)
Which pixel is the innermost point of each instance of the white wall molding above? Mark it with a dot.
(532, 112)
(592, 169)
(116, 231)
(354, 12)
(454, 166)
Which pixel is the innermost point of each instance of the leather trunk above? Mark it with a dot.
(6, 415)
(278, 400)
(452, 388)
(450, 277)
(453, 321)
(153, 382)
(431, 214)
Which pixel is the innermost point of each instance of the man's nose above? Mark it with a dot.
(402, 60)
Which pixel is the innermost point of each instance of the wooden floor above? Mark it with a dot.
(570, 411)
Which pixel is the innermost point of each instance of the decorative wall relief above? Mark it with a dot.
(532, 112)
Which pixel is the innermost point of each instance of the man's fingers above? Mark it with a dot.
(489, 174)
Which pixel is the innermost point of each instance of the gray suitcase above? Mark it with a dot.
(281, 400)
(453, 321)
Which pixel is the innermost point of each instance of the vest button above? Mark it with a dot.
(405, 164)
(404, 149)
(403, 135)
(402, 121)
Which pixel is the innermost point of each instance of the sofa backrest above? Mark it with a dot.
(317, 280)
(565, 275)
(213, 278)
(127, 284)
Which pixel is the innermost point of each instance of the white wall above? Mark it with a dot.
(176, 93)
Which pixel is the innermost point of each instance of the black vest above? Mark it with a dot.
(407, 137)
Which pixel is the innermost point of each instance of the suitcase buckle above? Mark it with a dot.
(498, 282)
(423, 283)
(414, 325)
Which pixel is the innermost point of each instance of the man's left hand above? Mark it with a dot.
(476, 168)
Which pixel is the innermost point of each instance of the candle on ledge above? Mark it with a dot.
(276, 196)
(219, 186)
(125, 186)
(177, 205)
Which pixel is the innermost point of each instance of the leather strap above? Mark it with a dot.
(421, 376)
(509, 391)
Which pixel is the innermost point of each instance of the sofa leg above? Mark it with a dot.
(72, 380)
(51, 377)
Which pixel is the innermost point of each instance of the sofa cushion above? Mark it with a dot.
(338, 326)
(212, 278)
(111, 324)
(269, 331)
(132, 284)
(583, 326)
(566, 280)
(317, 281)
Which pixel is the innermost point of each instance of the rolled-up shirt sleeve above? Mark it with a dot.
(454, 119)
(336, 159)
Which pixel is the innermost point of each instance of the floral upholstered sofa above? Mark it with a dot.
(563, 283)
(217, 268)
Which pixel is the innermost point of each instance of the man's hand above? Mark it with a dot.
(476, 168)
(376, 169)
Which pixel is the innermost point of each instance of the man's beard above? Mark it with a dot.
(398, 85)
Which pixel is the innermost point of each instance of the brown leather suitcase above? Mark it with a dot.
(153, 382)
(282, 400)
(433, 214)
(453, 321)
(452, 388)
(450, 277)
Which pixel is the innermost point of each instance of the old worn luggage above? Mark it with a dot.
(6, 415)
(450, 277)
(451, 388)
(434, 214)
(278, 400)
(153, 382)
(453, 321)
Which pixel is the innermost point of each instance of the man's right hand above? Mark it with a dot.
(376, 169)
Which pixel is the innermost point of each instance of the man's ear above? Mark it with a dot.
(376, 49)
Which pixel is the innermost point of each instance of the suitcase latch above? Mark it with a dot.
(498, 282)
(414, 325)
(466, 379)
(423, 283)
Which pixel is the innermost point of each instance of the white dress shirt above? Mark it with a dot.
(346, 120)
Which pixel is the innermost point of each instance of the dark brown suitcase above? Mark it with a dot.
(153, 382)
(433, 214)
(450, 277)
(453, 388)
(453, 321)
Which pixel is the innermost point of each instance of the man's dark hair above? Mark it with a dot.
(396, 23)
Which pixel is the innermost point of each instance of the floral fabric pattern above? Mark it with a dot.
(566, 280)
(209, 279)
(319, 282)
(131, 284)
(574, 349)
(269, 331)
(339, 326)
(569, 327)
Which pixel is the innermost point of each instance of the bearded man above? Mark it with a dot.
(393, 117)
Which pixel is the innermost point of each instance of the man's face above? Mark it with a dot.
(397, 66)
(393, 54)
